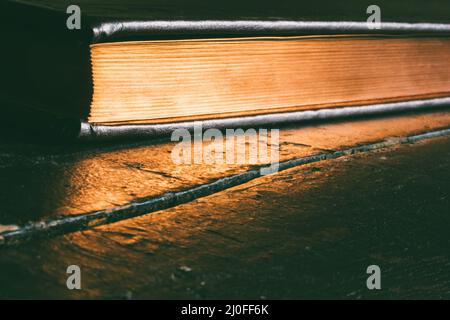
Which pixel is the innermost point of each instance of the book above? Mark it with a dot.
(144, 68)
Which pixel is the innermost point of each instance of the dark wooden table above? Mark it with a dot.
(308, 232)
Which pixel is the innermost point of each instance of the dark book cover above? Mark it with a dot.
(47, 80)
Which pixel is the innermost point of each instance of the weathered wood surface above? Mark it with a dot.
(41, 182)
(308, 232)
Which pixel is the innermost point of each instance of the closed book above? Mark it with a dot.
(114, 69)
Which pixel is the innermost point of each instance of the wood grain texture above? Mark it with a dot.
(39, 183)
(308, 233)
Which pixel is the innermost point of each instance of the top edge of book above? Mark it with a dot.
(118, 20)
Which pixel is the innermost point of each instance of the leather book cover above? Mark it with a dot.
(46, 67)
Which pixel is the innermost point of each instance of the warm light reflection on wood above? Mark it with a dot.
(108, 179)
